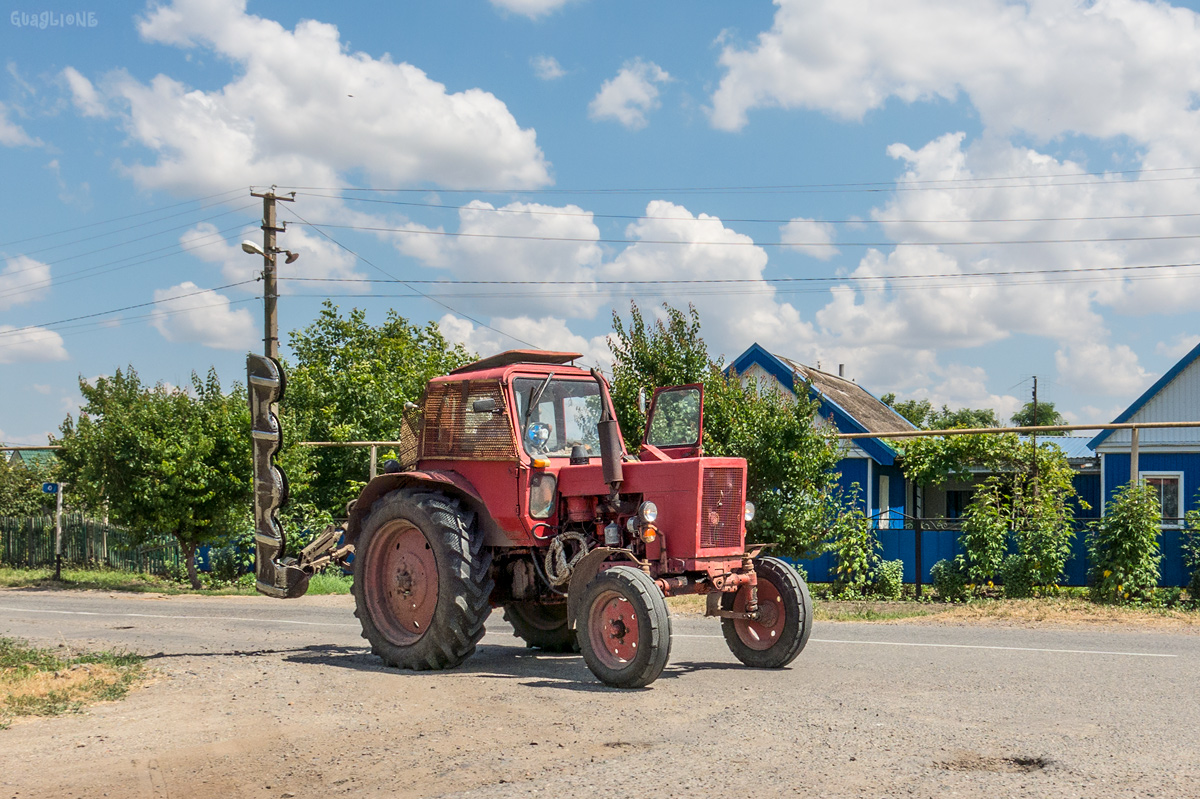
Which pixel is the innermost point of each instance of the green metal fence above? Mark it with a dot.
(29, 542)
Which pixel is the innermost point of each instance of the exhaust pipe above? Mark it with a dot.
(611, 445)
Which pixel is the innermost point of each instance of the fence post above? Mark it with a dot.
(920, 566)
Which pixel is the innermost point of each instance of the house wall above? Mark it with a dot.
(1115, 469)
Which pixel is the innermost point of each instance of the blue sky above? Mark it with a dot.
(948, 198)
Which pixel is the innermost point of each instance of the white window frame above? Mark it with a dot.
(1161, 474)
(885, 502)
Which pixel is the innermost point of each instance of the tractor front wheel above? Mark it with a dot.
(541, 626)
(624, 629)
(784, 622)
(421, 583)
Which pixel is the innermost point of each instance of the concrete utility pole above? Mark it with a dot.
(269, 251)
(1035, 452)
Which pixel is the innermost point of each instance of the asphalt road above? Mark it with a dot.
(257, 697)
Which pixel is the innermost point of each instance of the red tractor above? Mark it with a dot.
(515, 490)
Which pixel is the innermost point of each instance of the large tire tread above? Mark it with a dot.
(797, 629)
(541, 626)
(654, 624)
(464, 581)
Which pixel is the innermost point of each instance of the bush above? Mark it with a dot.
(1018, 574)
(984, 533)
(854, 546)
(949, 580)
(1123, 550)
(889, 579)
(1191, 550)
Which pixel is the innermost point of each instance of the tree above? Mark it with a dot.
(789, 458)
(350, 381)
(21, 487)
(163, 461)
(922, 414)
(1046, 416)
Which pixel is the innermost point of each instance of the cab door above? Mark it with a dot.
(675, 424)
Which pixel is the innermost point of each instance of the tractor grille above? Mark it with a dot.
(721, 508)
(453, 429)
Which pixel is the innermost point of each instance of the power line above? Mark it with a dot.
(752, 243)
(138, 225)
(870, 186)
(116, 219)
(83, 274)
(810, 279)
(719, 220)
(16, 330)
(84, 326)
(386, 274)
(172, 229)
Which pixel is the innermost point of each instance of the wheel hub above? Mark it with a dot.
(403, 590)
(615, 632)
(765, 631)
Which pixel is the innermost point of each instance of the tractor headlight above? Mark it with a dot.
(749, 511)
(648, 512)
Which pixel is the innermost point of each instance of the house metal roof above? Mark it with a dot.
(1148, 395)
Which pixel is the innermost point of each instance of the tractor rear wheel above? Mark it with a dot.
(421, 583)
(541, 626)
(624, 628)
(785, 617)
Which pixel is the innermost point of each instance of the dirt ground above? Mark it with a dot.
(256, 698)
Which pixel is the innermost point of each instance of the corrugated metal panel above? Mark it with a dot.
(1178, 401)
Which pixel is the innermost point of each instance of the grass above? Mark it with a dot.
(137, 582)
(45, 682)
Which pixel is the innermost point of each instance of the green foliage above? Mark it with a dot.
(1191, 549)
(984, 536)
(949, 580)
(669, 352)
(889, 579)
(21, 486)
(1123, 550)
(1017, 572)
(789, 459)
(1046, 416)
(162, 461)
(349, 382)
(854, 545)
(933, 460)
(922, 414)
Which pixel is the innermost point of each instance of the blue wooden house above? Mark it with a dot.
(1167, 458)
(885, 495)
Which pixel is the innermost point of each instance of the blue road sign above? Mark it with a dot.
(49, 488)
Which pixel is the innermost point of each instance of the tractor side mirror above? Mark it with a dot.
(486, 405)
(642, 401)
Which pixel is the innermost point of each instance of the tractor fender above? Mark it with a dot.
(451, 483)
(586, 569)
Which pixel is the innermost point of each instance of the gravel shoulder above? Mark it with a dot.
(259, 698)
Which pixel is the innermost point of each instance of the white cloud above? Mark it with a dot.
(1182, 345)
(30, 345)
(302, 109)
(12, 134)
(481, 252)
(812, 237)
(87, 100)
(187, 313)
(545, 333)
(701, 247)
(631, 95)
(1098, 368)
(23, 280)
(319, 258)
(530, 8)
(546, 67)
(1048, 67)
